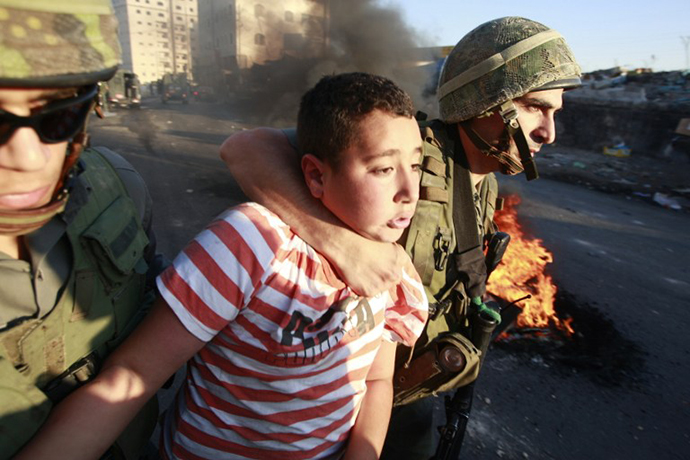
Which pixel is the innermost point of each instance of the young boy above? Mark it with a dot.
(286, 362)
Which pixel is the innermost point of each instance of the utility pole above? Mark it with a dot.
(686, 42)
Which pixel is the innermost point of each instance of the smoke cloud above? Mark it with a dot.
(363, 36)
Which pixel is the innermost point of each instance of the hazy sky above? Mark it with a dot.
(602, 34)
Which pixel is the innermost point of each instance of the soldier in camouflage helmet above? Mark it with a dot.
(487, 78)
(74, 220)
(499, 91)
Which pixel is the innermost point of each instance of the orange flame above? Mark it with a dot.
(522, 272)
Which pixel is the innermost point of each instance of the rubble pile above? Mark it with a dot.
(659, 181)
(637, 86)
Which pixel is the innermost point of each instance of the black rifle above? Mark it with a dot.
(482, 327)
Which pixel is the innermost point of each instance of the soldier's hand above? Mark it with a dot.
(371, 267)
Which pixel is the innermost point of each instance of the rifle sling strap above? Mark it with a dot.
(466, 232)
(469, 260)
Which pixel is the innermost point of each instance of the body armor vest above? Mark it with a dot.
(42, 360)
(433, 244)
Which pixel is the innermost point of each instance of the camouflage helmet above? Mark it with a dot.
(502, 60)
(57, 43)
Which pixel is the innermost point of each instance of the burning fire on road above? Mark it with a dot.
(522, 272)
(551, 323)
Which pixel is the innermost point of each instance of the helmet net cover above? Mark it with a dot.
(548, 65)
(57, 43)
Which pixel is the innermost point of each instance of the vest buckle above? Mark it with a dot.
(441, 248)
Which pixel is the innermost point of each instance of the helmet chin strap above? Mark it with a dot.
(512, 130)
(22, 221)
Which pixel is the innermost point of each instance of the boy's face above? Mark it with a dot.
(375, 187)
(29, 168)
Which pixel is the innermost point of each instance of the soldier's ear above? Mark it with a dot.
(313, 171)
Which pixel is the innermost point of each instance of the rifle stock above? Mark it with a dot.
(457, 415)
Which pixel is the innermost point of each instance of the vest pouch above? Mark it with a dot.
(116, 241)
(24, 409)
(115, 244)
(450, 314)
(427, 374)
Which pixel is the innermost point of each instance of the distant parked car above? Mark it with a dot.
(175, 93)
(123, 90)
(175, 88)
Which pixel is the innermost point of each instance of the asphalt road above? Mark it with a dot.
(619, 390)
(175, 148)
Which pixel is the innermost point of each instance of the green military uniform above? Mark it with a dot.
(490, 67)
(410, 434)
(79, 294)
(79, 288)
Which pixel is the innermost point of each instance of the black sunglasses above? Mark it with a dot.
(56, 122)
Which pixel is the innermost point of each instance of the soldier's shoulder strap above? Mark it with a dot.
(429, 239)
(441, 143)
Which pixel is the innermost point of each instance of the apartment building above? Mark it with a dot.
(158, 36)
(235, 35)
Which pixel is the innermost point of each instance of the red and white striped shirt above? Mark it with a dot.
(289, 345)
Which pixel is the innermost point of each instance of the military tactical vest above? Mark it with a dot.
(42, 360)
(432, 243)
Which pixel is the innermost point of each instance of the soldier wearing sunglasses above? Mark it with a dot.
(75, 245)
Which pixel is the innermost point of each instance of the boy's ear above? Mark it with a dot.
(313, 170)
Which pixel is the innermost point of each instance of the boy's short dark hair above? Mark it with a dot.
(330, 112)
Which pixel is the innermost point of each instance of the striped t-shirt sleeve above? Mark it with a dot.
(217, 273)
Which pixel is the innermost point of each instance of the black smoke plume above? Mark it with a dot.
(362, 36)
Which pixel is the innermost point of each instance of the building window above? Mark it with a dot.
(259, 39)
(289, 17)
(259, 9)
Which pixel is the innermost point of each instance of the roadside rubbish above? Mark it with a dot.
(617, 150)
(666, 201)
